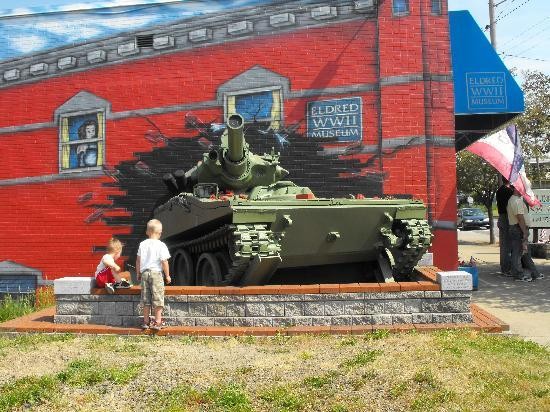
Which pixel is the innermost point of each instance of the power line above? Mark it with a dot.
(507, 14)
(522, 57)
(512, 40)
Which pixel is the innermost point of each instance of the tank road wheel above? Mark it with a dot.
(183, 268)
(209, 272)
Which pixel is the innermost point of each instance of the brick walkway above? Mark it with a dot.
(43, 322)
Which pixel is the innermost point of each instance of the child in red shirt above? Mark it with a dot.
(107, 274)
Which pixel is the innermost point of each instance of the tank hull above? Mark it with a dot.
(300, 233)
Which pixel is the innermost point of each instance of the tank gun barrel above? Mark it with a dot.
(235, 138)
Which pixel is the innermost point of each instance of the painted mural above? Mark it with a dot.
(22, 32)
(119, 97)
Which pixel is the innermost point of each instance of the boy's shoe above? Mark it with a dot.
(156, 326)
(538, 276)
(524, 278)
(124, 284)
(144, 326)
(109, 287)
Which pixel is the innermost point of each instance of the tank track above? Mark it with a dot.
(417, 238)
(241, 241)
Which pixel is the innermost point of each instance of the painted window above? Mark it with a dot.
(400, 7)
(82, 141)
(436, 6)
(257, 106)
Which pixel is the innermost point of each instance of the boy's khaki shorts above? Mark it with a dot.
(152, 288)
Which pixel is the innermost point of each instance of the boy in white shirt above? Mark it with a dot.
(152, 261)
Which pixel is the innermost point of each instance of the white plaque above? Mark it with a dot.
(74, 286)
(455, 280)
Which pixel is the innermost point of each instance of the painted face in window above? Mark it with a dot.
(90, 131)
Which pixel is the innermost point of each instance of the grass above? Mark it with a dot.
(283, 398)
(361, 359)
(27, 391)
(26, 342)
(226, 397)
(449, 370)
(86, 372)
(11, 308)
(30, 390)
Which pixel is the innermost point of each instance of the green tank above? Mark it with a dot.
(234, 220)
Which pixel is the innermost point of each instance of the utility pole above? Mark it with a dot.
(492, 29)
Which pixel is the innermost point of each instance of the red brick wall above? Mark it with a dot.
(55, 225)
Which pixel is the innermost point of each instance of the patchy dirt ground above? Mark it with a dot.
(460, 370)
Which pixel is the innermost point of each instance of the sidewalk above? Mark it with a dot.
(524, 306)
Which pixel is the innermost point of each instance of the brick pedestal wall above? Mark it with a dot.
(274, 310)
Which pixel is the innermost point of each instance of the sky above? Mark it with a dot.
(522, 28)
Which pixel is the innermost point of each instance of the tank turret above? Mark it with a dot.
(231, 165)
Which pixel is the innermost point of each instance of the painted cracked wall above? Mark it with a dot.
(92, 127)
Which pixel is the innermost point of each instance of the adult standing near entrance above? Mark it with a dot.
(503, 195)
(519, 238)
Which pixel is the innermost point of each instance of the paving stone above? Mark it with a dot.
(179, 309)
(321, 321)
(236, 309)
(412, 305)
(262, 322)
(342, 320)
(457, 305)
(354, 308)
(422, 317)
(314, 309)
(442, 318)
(294, 309)
(223, 322)
(283, 322)
(456, 294)
(401, 318)
(432, 293)
(77, 308)
(335, 308)
(243, 322)
(275, 309)
(374, 307)
(113, 320)
(254, 309)
(410, 294)
(197, 309)
(381, 319)
(393, 306)
(176, 298)
(108, 308)
(462, 318)
(302, 321)
(265, 298)
(204, 321)
(182, 321)
(216, 309)
(363, 320)
(131, 321)
(124, 308)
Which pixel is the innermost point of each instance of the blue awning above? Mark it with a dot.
(486, 93)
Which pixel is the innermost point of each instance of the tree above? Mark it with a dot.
(478, 179)
(534, 124)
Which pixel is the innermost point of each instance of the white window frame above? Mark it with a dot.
(100, 140)
(277, 89)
